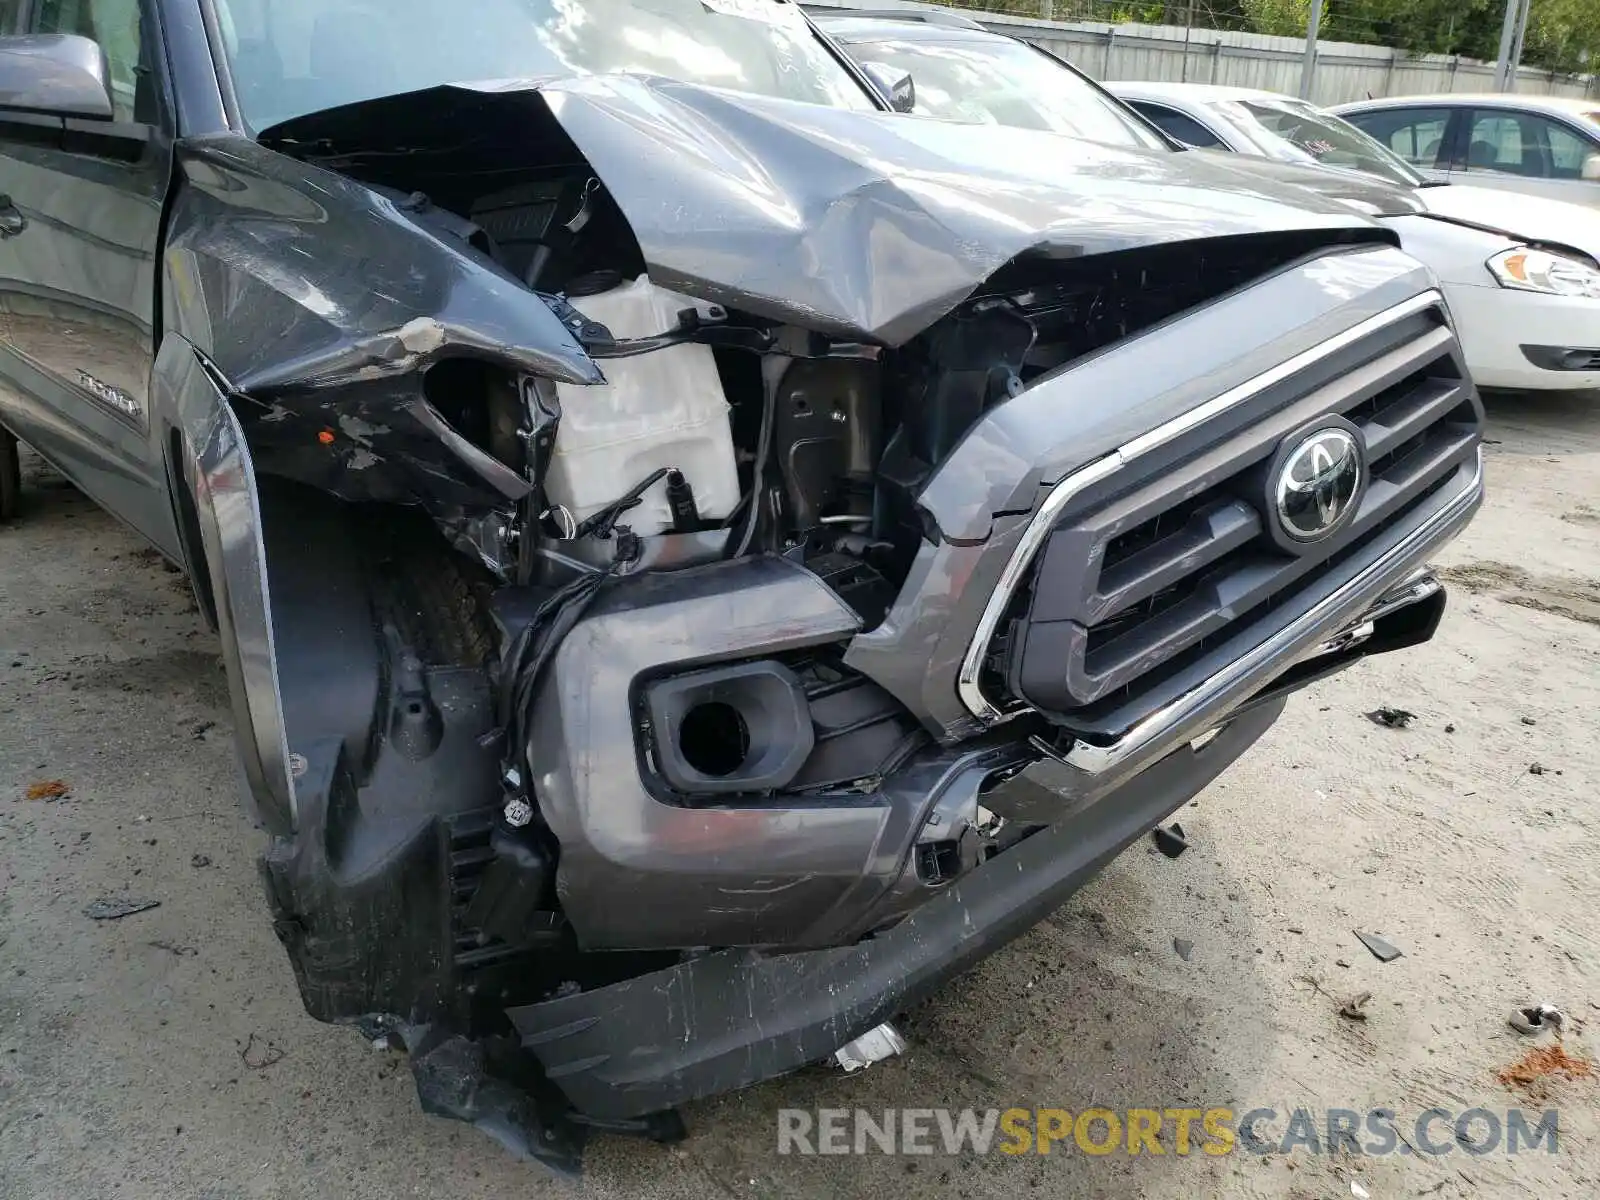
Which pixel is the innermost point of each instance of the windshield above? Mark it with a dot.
(1293, 130)
(292, 57)
(1000, 82)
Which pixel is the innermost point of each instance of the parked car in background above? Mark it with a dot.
(1509, 247)
(1538, 145)
(1528, 310)
(1263, 124)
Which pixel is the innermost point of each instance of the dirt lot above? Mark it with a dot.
(166, 1054)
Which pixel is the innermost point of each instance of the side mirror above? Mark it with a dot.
(1591, 166)
(893, 84)
(56, 74)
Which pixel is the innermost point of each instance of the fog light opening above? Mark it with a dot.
(714, 739)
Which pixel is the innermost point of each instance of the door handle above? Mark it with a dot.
(12, 222)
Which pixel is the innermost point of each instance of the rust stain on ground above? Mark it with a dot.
(48, 789)
(1533, 1072)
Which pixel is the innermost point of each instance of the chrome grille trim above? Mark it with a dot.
(1044, 519)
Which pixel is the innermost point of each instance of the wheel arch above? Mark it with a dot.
(217, 506)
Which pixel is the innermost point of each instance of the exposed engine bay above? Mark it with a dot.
(716, 433)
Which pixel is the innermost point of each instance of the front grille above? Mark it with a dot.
(1171, 559)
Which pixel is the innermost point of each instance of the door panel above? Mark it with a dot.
(80, 223)
(1526, 152)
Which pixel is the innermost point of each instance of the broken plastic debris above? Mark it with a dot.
(1381, 950)
(1359, 1192)
(1536, 1018)
(111, 909)
(1356, 1009)
(1170, 840)
(1392, 718)
(1184, 947)
(874, 1045)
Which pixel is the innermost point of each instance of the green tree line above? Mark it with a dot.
(1563, 35)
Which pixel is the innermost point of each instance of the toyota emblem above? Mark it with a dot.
(1319, 483)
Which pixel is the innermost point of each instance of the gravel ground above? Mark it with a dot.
(166, 1054)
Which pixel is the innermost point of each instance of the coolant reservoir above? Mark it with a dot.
(664, 409)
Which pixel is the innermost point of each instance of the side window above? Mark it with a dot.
(1568, 150)
(112, 23)
(1503, 142)
(1175, 124)
(1415, 134)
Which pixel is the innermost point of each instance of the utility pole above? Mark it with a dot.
(1188, 28)
(1516, 48)
(1308, 68)
(1512, 31)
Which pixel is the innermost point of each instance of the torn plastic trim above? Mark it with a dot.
(490, 1085)
(405, 350)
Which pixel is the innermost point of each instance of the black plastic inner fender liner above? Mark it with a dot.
(734, 1018)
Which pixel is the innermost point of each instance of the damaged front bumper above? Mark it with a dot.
(733, 1018)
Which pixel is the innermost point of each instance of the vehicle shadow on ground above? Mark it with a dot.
(1542, 422)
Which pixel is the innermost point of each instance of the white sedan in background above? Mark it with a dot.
(1541, 145)
(1521, 273)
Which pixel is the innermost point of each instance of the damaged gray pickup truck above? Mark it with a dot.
(696, 568)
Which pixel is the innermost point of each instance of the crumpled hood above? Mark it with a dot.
(861, 224)
(1365, 194)
(1520, 217)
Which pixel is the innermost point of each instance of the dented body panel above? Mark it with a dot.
(600, 814)
(288, 275)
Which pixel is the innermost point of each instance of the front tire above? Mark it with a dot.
(10, 478)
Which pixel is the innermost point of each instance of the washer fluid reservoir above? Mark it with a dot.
(664, 409)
